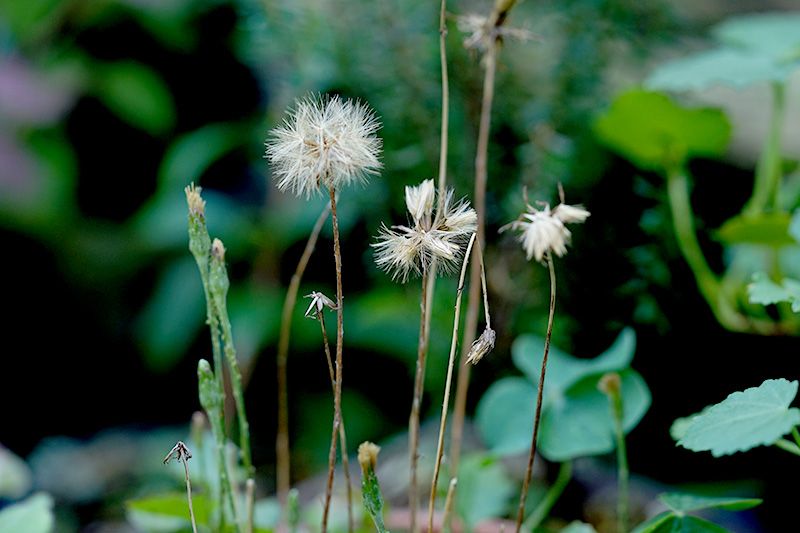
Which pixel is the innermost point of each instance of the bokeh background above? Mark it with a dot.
(109, 108)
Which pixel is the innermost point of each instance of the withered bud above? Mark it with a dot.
(482, 346)
(197, 206)
(368, 456)
(610, 384)
(218, 250)
(318, 302)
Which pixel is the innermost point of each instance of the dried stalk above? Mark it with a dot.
(539, 395)
(282, 440)
(419, 385)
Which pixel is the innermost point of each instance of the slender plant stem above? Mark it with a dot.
(448, 381)
(551, 497)
(768, 172)
(796, 435)
(419, 385)
(282, 440)
(342, 435)
(337, 253)
(189, 493)
(250, 497)
(238, 394)
(473, 302)
(443, 140)
(539, 395)
(332, 449)
(788, 446)
(448, 504)
(623, 473)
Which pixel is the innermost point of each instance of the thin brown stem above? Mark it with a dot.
(443, 140)
(336, 425)
(342, 434)
(337, 253)
(250, 501)
(448, 504)
(282, 440)
(419, 385)
(189, 493)
(539, 395)
(447, 383)
(471, 323)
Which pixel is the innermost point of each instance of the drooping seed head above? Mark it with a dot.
(543, 231)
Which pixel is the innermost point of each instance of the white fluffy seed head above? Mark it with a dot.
(404, 251)
(324, 142)
(544, 231)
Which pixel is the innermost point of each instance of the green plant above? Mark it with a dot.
(678, 520)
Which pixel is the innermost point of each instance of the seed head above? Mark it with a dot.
(405, 250)
(543, 231)
(324, 142)
(482, 31)
(319, 302)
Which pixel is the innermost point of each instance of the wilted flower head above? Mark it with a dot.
(324, 142)
(482, 31)
(402, 250)
(318, 302)
(482, 346)
(543, 230)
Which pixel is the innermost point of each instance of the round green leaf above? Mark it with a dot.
(755, 417)
(32, 515)
(505, 416)
(774, 34)
(771, 229)
(484, 489)
(656, 134)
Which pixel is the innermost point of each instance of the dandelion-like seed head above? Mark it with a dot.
(403, 251)
(324, 142)
(544, 231)
(482, 32)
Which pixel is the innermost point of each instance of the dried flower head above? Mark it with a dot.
(543, 231)
(405, 250)
(368, 455)
(325, 142)
(197, 206)
(482, 346)
(179, 452)
(319, 302)
(482, 31)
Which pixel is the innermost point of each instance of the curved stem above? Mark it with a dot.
(768, 172)
(282, 440)
(448, 381)
(189, 494)
(551, 497)
(471, 322)
(539, 396)
(419, 385)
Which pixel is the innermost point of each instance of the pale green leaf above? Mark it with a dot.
(656, 134)
(167, 512)
(484, 489)
(794, 226)
(32, 515)
(764, 291)
(686, 503)
(670, 523)
(774, 34)
(755, 417)
(720, 66)
(578, 527)
(505, 415)
(15, 476)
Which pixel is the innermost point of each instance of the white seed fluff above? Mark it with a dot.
(543, 231)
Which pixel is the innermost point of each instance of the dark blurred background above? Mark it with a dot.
(109, 108)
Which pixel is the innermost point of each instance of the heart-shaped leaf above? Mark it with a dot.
(687, 503)
(32, 515)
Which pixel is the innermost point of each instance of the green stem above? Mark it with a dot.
(788, 446)
(623, 473)
(796, 435)
(551, 497)
(766, 189)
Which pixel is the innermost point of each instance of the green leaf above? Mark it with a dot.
(173, 316)
(668, 522)
(794, 226)
(755, 417)
(774, 34)
(136, 94)
(505, 415)
(15, 476)
(167, 512)
(578, 527)
(656, 134)
(564, 370)
(720, 66)
(190, 155)
(764, 291)
(484, 489)
(32, 515)
(576, 417)
(686, 503)
(771, 229)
